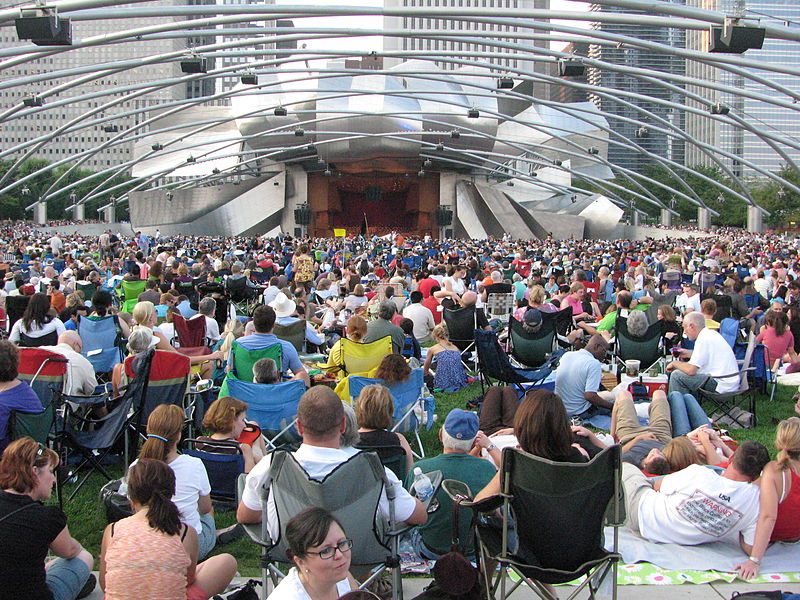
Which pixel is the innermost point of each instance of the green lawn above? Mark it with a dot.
(87, 521)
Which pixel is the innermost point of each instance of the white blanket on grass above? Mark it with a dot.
(780, 557)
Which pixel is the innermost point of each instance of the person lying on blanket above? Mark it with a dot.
(696, 505)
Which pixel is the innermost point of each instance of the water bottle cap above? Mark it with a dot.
(417, 471)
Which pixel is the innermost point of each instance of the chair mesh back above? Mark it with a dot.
(28, 341)
(295, 333)
(273, 406)
(362, 358)
(244, 359)
(351, 491)
(562, 506)
(461, 324)
(100, 334)
(15, 308)
(561, 320)
(531, 349)
(167, 381)
(492, 361)
(645, 349)
(404, 395)
(191, 333)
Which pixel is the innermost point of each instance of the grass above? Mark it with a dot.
(87, 520)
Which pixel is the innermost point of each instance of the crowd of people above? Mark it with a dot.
(400, 291)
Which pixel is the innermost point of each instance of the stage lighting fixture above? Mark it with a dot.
(593, 150)
(455, 134)
(428, 163)
(46, 30)
(781, 194)
(570, 68)
(170, 196)
(557, 163)
(111, 128)
(510, 184)
(720, 109)
(574, 198)
(191, 159)
(420, 173)
(280, 111)
(156, 147)
(328, 172)
(505, 83)
(473, 113)
(642, 132)
(195, 64)
(440, 146)
(73, 197)
(32, 101)
(25, 191)
(299, 132)
(249, 78)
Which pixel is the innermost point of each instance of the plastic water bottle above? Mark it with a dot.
(423, 488)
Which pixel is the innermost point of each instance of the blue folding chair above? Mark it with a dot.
(101, 342)
(273, 406)
(223, 468)
(406, 397)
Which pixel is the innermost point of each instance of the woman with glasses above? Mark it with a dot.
(152, 554)
(30, 529)
(320, 551)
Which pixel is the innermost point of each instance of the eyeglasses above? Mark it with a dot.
(326, 553)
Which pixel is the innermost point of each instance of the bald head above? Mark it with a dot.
(597, 346)
(71, 339)
(469, 298)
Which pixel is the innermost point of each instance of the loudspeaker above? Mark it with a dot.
(48, 30)
(194, 65)
(448, 233)
(570, 68)
(735, 40)
(302, 215)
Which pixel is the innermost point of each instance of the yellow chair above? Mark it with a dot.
(351, 358)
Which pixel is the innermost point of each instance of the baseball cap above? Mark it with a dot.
(461, 424)
(533, 318)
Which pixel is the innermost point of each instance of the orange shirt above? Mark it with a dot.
(58, 301)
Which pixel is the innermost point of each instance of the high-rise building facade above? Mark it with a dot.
(625, 113)
(480, 30)
(759, 114)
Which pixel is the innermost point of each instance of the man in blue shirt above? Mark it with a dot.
(264, 322)
(578, 380)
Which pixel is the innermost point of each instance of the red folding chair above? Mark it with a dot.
(191, 335)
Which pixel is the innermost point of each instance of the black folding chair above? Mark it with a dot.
(493, 363)
(461, 324)
(559, 512)
(531, 349)
(647, 349)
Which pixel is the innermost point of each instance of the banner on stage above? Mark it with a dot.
(339, 233)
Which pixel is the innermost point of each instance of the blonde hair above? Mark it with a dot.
(374, 407)
(234, 329)
(536, 294)
(576, 286)
(787, 441)
(440, 332)
(681, 452)
(144, 312)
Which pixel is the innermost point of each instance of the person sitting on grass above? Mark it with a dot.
(445, 357)
(169, 567)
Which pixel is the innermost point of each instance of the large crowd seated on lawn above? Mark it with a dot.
(217, 313)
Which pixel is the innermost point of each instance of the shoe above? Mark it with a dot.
(230, 535)
(88, 587)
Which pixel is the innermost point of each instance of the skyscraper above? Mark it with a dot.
(482, 30)
(619, 112)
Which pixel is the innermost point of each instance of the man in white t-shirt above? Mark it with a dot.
(709, 362)
(689, 300)
(696, 505)
(321, 422)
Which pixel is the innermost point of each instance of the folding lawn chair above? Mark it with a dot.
(273, 406)
(191, 334)
(244, 359)
(224, 463)
(352, 491)
(101, 342)
(493, 363)
(559, 512)
(499, 306)
(407, 400)
(294, 333)
(531, 349)
(647, 349)
(15, 308)
(167, 381)
(129, 294)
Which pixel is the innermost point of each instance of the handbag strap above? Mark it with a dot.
(15, 511)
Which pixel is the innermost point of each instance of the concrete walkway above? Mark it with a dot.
(716, 591)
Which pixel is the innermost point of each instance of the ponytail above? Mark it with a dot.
(787, 442)
(162, 514)
(151, 483)
(155, 447)
(164, 427)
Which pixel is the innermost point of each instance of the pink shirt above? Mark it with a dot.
(776, 345)
(577, 307)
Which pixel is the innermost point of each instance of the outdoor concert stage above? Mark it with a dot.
(388, 202)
